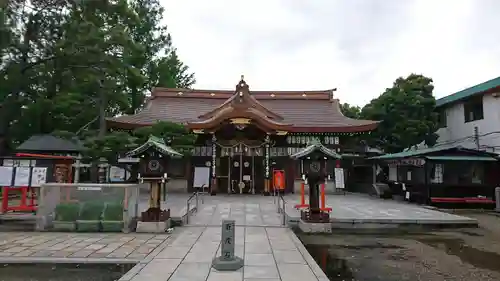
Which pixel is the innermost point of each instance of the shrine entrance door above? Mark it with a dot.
(246, 169)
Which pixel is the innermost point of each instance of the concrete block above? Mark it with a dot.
(153, 227)
(309, 227)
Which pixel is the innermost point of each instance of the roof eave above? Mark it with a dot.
(484, 88)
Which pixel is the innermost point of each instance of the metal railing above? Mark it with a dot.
(282, 208)
(194, 196)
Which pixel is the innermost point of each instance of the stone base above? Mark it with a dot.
(315, 227)
(227, 265)
(153, 227)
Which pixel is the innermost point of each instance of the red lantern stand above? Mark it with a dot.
(28, 200)
(323, 206)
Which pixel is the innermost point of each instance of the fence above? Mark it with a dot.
(88, 207)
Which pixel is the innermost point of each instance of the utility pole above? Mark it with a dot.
(476, 137)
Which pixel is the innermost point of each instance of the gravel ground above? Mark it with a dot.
(447, 255)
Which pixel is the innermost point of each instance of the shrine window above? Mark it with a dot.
(176, 168)
(473, 109)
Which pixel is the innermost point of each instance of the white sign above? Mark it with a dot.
(38, 176)
(129, 160)
(89, 188)
(438, 174)
(408, 162)
(116, 174)
(408, 176)
(339, 178)
(22, 177)
(201, 177)
(6, 176)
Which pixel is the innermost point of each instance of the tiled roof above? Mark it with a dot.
(157, 143)
(493, 84)
(303, 109)
(430, 150)
(50, 143)
(314, 146)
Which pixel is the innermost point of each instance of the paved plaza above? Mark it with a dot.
(270, 254)
(256, 210)
(359, 208)
(77, 247)
(245, 210)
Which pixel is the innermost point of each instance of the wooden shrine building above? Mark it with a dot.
(243, 135)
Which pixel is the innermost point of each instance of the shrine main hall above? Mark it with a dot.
(246, 137)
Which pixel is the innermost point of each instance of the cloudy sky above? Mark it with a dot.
(357, 46)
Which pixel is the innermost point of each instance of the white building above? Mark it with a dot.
(471, 117)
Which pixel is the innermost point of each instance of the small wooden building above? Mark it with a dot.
(444, 174)
(47, 151)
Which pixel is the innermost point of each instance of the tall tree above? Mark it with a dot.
(173, 73)
(65, 63)
(351, 111)
(406, 112)
(156, 60)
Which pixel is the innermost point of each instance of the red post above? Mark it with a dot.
(5, 199)
(302, 197)
(323, 201)
(24, 195)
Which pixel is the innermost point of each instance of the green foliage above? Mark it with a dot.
(91, 211)
(61, 60)
(116, 143)
(406, 112)
(350, 111)
(175, 135)
(113, 212)
(67, 212)
(109, 146)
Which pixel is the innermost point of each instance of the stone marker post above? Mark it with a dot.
(227, 260)
(497, 198)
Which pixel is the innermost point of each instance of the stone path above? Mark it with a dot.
(270, 254)
(77, 247)
(246, 210)
(358, 208)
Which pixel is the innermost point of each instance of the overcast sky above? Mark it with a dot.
(357, 46)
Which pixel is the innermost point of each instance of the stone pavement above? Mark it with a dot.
(53, 247)
(246, 210)
(257, 210)
(270, 254)
(359, 208)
